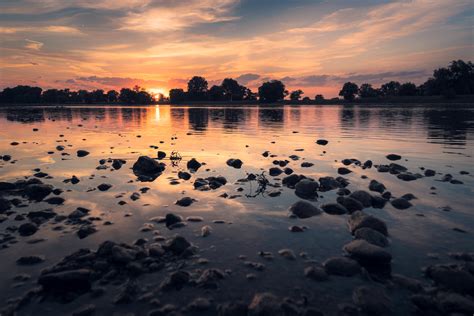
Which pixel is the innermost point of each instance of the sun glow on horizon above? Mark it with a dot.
(157, 91)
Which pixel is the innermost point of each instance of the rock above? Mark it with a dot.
(200, 304)
(206, 231)
(376, 186)
(117, 163)
(372, 236)
(274, 193)
(343, 170)
(407, 176)
(184, 175)
(38, 192)
(121, 254)
(303, 209)
(74, 180)
(85, 231)
(378, 202)
(292, 180)
(78, 213)
(316, 273)
(82, 153)
(359, 219)
(193, 164)
(185, 201)
(30, 260)
(172, 219)
(372, 300)
(41, 215)
(352, 205)
(147, 168)
(5, 205)
(66, 281)
(329, 183)
(367, 253)
(27, 229)
(322, 142)
(275, 171)
(430, 173)
(341, 266)
(236, 163)
(407, 283)
(135, 196)
(87, 310)
(265, 304)
(363, 197)
(194, 219)
(396, 168)
(393, 157)
(452, 277)
(306, 188)
(296, 229)
(307, 164)
(55, 200)
(401, 204)
(177, 245)
(7, 186)
(367, 164)
(451, 303)
(334, 208)
(161, 155)
(287, 254)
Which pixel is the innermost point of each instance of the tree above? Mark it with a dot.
(98, 96)
(408, 89)
(390, 88)
(112, 96)
(216, 93)
(366, 91)
(197, 89)
(232, 90)
(349, 91)
(177, 96)
(296, 95)
(319, 97)
(272, 91)
(21, 94)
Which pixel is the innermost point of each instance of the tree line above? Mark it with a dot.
(456, 79)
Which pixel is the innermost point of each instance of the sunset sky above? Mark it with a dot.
(159, 44)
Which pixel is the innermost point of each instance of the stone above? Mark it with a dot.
(292, 180)
(451, 303)
(367, 253)
(363, 197)
(206, 230)
(275, 171)
(341, 266)
(177, 245)
(306, 188)
(184, 175)
(30, 260)
(265, 304)
(235, 163)
(5, 205)
(303, 209)
(452, 277)
(161, 155)
(372, 300)
(82, 153)
(232, 309)
(343, 170)
(407, 283)
(193, 164)
(27, 229)
(359, 219)
(171, 219)
(287, 254)
(147, 168)
(401, 204)
(121, 254)
(55, 200)
(316, 273)
(429, 173)
(38, 192)
(393, 157)
(352, 205)
(372, 236)
(322, 142)
(85, 231)
(376, 186)
(185, 201)
(334, 208)
(117, 163)
(66, 281)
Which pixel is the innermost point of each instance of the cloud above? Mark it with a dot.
(42, 29)
(34, 45)
(246, 78)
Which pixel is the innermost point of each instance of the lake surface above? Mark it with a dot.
(432, 137)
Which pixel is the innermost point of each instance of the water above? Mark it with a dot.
(436, 137)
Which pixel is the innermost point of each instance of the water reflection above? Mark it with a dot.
(439, 125)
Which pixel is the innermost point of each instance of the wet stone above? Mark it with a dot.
(306, 188)
(316, 273)
(27, 229)
(334, 208)
(82, 153)
(341, 266)
(303, 209)
(372, 236)
(360, 219)
(401, 204)
(30, 260)
(372, 300)
(185, 201)
(367, 253)
(235, 163)
(393, 157)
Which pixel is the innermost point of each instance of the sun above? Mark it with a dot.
(157, 91)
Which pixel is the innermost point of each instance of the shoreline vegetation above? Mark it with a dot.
(454, 84)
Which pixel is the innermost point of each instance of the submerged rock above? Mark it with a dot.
(147, 169)
(236, 163)
(185, 201)
(376, 186)
(453, 277)
(401, 204)
(38, 192)
(193, 164)
(341, 266)
(360, 220)
(334, 208)
(265, 304)
(303, 209)
(306, 188)
(372, 236)
(82, 153)
(316, 273)
(322, 142)
(367, 253)
(27, 229)
(363, 197)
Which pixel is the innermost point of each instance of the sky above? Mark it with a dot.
(315, 45)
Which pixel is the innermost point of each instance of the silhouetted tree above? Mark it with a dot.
(98, 96)
(366, 91)
(177, 96)
(349, 91)
(112, 96)
(296, 95)
(408, 89)
(232, 90)
(319, 97)
(272, 91)
(127, 95)
(21, 94)
(390, 88)
(216, 93)
(197, 89)
(249, 95)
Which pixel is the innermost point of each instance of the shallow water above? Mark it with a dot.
(435, 137)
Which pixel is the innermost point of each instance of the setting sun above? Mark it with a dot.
(157, 91)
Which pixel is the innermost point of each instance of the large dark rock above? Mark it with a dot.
(236, 163)
(303, 209)
(265, 304)
(5, 205)
(334, 208)
(27, 229)
(352, 205)
(454, 277)
(367, 253)
(306, 188)
(193, 164)
(292, 180)
(393, 157)
(359, 219)
(177, 245)
(372, 236)
(38, 192)
(66, 281)
(376, 186)
(82, 153)
(147, 169)
(363, 197)
(7, 186)
(342, 266)
(401, 204)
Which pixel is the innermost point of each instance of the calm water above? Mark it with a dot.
(439, 138)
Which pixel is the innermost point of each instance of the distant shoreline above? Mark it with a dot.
(416, 100)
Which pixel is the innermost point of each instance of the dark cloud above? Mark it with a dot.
(246, 78)
(383, 76)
